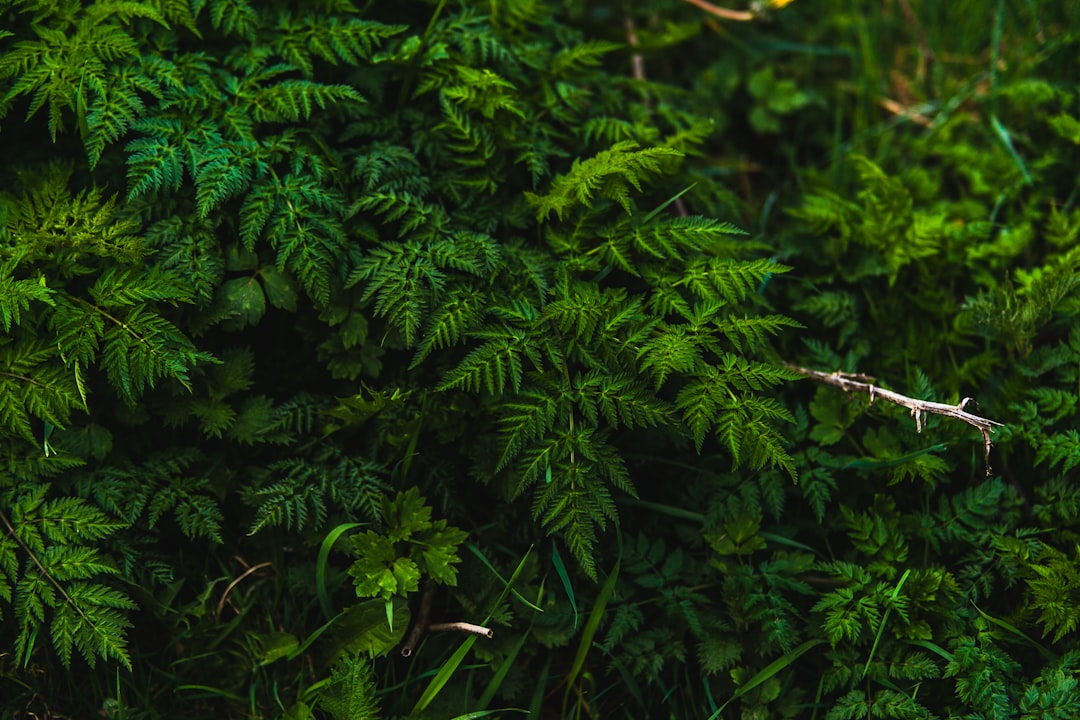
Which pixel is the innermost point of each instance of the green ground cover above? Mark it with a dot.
(455, 359)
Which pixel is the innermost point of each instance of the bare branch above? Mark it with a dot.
(859, 383)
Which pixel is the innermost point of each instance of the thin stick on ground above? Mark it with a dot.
(859, 383)
(723, 12)
(462, 627)
(423, 626)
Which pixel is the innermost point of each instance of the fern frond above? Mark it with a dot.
(726, 280)
(493, 366)
(295, 100)
(155, 162)
(572, 60)
(752, 332)
(49, 219)
(69, 520)
(145, 348)
(333, 39)
(302, 220)
(677, 237)
(384, 167)
(576, 503)
(1060, 449)
(289, 503)
(742, 428)
(400, 277)
(527, 418)
(57, 580)
(121, 287)
(610, 174)
(92, 622)
(699, 402)
(232, 17)
(609, 129)
(115, 108)
(16, 296)
(674, 349)
(219, 173)
(459, 313)
(742, 374)
(350, 691)
(34, 385)
(412, 212)
(63, 66)
(619, 399)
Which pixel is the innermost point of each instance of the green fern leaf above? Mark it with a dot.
(459, 313)
(752, 333)
(492, 366)
(294, 100)
(675, 349)
(609, 174)
(232, 17)
(155, 162)
(34, 385)
(699, 404)
(16, 296)
(529, 417)
(333, 39)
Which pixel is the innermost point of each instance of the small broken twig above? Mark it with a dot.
(423, 626)
(234, 583)
(723, 12)
(463, 627)
(859, 383)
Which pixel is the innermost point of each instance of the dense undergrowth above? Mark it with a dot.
(328, 325)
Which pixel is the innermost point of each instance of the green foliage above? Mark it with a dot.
(610, 174)
(325, 326)
(350, 692)
(392, 563)
(53, 575)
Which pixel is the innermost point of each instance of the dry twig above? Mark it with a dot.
(463, 627)
(724, 13)
(859, 383)
(423, 626)
(234, 583)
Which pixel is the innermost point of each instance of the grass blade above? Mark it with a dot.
(1013, 630)
(443, 676)
(591, 626)
(451, 665)
(884, 619)
(667, 202)
(560, 570)
(509, 586)
(537, 704)
(768, 672)
(1006, 140)
(500, 674)
(669, 510)
(320, 565)
(487, 563)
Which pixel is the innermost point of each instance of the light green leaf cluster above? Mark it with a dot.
(413, 545)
